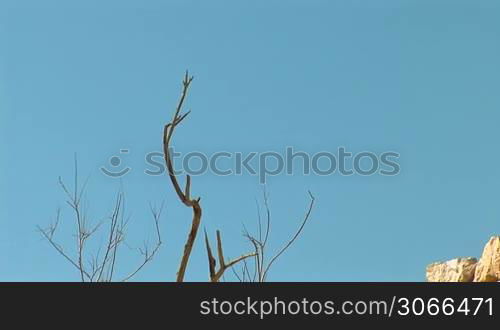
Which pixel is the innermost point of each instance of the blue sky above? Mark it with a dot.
(417, 77)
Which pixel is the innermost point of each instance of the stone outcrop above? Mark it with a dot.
(469, 269)
(488, 267)
(456, 270)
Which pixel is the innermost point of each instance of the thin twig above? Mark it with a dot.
(149, 256)
(308, 213)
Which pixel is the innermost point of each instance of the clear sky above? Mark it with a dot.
(418, 77)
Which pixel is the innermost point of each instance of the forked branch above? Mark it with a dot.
(215, 274)
(184, 195)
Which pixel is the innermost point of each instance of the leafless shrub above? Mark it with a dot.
(259, 270)
(98, 267)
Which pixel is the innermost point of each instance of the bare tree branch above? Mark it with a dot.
(262, 267)
(149, 256)
(211, 259)
(184, 196)
(90, 266)
(60, 250)
(215, 275)
(112, 238)
(306, 217)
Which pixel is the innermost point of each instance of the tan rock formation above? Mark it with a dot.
(455, 270)
(488, 267)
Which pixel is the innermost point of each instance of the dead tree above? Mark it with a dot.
(102, 267)
(98, 267)
(188, 201)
